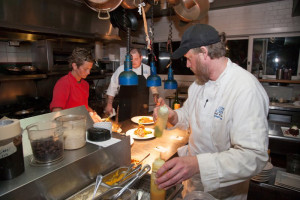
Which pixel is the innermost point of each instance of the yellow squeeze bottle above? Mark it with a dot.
(162, 120)
(155, 193)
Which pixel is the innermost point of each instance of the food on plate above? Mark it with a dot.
(144, 120)
(141, 131)
(115, 126)
(95, 117)
(294, 131)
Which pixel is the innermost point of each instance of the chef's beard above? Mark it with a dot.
(201, 73)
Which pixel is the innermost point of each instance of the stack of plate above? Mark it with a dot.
(264, 175)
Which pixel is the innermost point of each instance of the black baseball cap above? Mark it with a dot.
(196, 36)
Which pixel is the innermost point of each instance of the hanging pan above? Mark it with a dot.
(117, 19)
(131, 4)
(103, 7)
(191, 10)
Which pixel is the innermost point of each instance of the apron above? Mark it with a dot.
(133, 99)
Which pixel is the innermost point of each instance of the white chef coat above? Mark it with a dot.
(229, 132)
(114, 86)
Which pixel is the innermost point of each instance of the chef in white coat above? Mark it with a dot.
(226, 112)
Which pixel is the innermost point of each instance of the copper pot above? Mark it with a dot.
(103, 7)
(131, 4)
(191, 10)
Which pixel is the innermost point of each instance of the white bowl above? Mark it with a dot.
(106, 125)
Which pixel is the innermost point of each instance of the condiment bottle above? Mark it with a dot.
(162, 120)
(176, 103)
(155, 193)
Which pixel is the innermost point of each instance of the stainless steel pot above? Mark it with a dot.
(103, 7)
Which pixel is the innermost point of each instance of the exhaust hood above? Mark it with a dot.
(70, 20)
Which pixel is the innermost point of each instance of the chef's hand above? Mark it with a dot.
(108, 109)
(156, 97)
(176, 170)
(172, 117)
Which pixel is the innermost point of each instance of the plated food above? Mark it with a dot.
(142, 120)
(292, 131)
(141, 133)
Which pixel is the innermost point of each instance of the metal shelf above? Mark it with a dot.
(22, 77)
(279, 81)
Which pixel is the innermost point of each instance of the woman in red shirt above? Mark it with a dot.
(72, 90)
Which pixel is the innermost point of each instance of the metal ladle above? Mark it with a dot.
(98, 182)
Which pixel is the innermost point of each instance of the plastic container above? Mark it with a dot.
(11, 149)
(155, 193)
(47, 142)
(162, 120)
(74, 130)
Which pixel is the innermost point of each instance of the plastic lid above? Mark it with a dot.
(157, 164)
(163, 109)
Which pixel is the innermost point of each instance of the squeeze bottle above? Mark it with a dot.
(155, 193)
(162, 120)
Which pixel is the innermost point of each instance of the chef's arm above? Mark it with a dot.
(56, 109)
(90, 109)
(109, 106)
(155, 94)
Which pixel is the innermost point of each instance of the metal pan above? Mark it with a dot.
(103, 7)
(13, 70)
(117, 19)
(131, 4)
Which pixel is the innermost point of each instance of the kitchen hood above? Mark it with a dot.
(71, 20)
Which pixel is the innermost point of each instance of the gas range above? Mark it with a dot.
(28, 107)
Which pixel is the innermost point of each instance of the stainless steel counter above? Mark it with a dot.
(275, 132)
(77, 169)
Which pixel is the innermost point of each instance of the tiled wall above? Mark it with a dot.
(12, 54)
(266, 18)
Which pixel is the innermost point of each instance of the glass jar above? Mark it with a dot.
(11, 149)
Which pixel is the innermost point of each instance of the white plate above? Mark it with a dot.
(148, 136)
(284, 129)
(137, 118)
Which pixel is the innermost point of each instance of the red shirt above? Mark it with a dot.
(68, 93)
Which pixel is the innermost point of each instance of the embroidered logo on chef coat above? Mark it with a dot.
(219, 113)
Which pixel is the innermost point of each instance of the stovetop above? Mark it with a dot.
(24, 108)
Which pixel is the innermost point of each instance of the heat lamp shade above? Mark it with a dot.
(170, 84)
(128, 78)
(153, 81)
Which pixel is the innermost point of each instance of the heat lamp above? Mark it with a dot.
(153, 80)
(128, 77)
(170, 83)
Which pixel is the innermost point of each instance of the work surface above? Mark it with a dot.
(165, 146)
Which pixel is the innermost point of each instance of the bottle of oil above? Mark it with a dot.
(162, 119)
(176, 103)
(155, 193)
